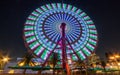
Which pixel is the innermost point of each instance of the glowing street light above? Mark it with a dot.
(5, 59)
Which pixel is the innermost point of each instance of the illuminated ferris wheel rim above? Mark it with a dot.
(41, 33)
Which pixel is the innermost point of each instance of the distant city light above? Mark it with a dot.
(117, 56)
(111, 57)
(119, 64)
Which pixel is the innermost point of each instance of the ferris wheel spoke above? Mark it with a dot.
(54, 36)
(72, 20)
(71, 39)
(73, 36)
(65, 16)
(68, 38)
(68, 18)
(48, 29)
(55, 17)
(62, 16)
(59, 15)
(48, 22)
(50, 35)
(52, 18)
(76, 30)
(57, 37)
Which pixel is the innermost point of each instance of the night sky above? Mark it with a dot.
(104, 13)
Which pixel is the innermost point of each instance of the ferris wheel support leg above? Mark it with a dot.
(73, 50)
(63, 45)
(50, 53)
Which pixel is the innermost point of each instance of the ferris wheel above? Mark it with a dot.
(57, 26)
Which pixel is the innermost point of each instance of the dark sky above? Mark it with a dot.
(104, 13)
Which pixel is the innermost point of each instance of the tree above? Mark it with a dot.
(103, 64)
(93, 59)
(26, 61)
(54, 60)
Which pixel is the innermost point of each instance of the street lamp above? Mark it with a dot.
(5, 59)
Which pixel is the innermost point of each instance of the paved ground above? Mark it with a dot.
(59, 74)
(75, 73)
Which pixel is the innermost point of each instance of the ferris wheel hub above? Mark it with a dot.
(63, 25)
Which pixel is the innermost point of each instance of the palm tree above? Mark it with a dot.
(26, 61)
